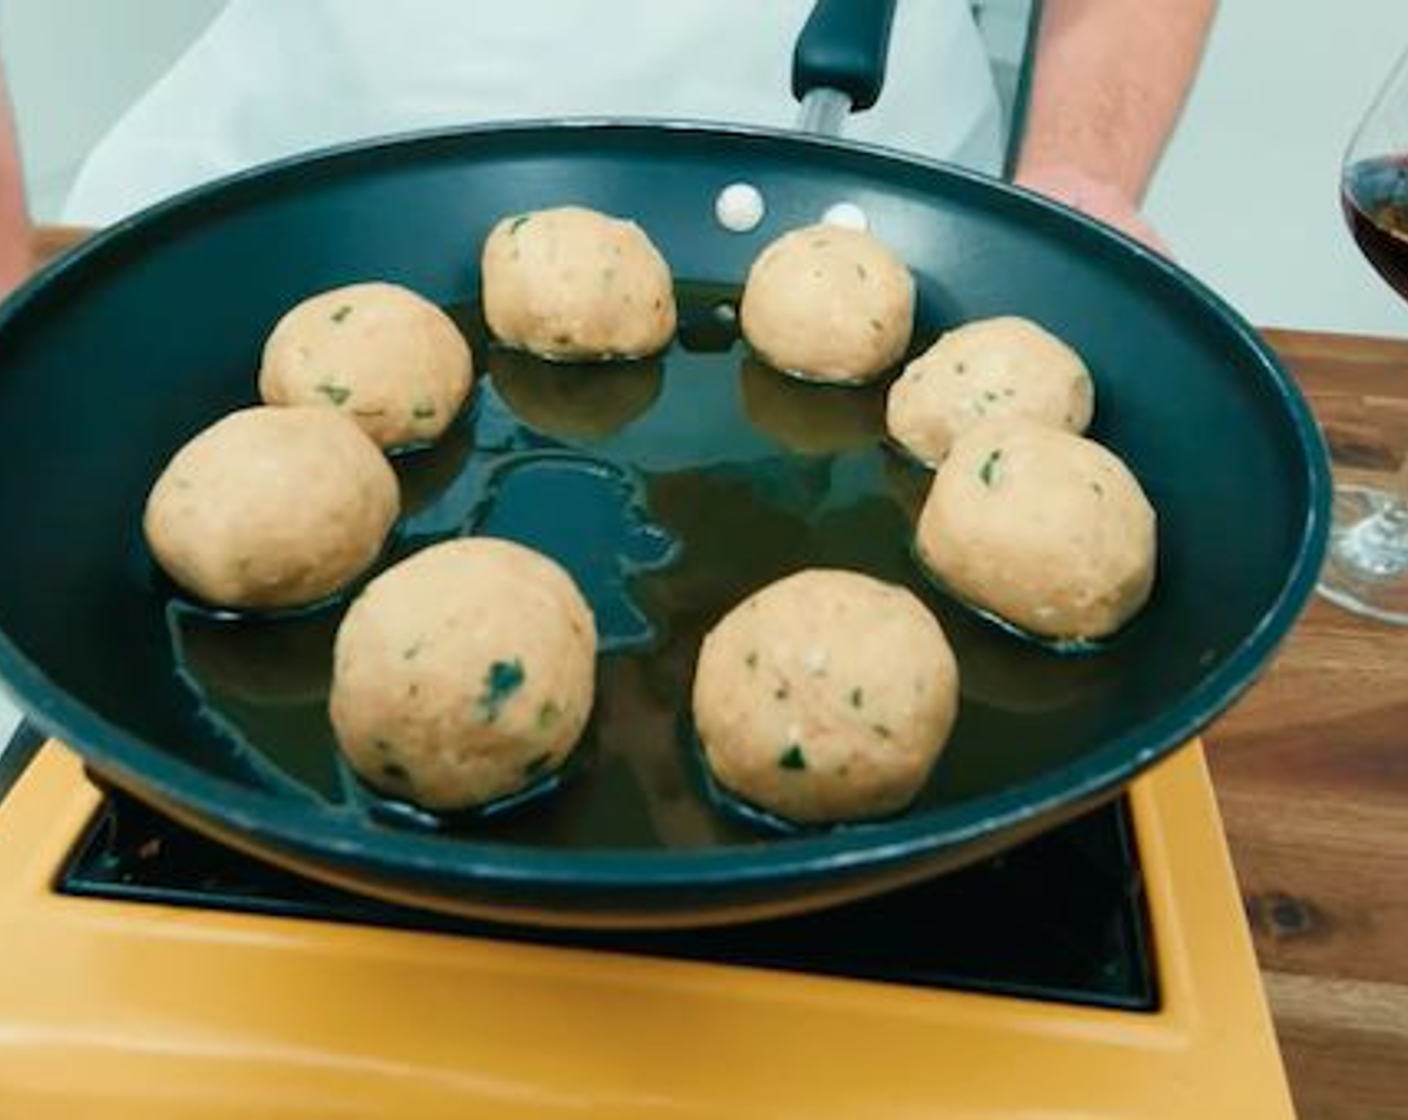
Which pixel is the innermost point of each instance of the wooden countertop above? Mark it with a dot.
(1311, 771)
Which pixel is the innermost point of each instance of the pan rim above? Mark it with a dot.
(316, 831)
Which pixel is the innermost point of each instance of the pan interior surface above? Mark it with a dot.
(671, 488)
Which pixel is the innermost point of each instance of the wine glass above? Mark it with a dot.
(1366, 569)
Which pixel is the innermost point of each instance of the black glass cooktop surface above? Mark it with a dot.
(1060, 918)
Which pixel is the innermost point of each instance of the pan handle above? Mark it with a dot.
(838, 65)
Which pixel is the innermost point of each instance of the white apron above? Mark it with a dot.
(269, 78)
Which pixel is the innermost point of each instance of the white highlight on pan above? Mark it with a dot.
(739, 207)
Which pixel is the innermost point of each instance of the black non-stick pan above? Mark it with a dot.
(670, 488)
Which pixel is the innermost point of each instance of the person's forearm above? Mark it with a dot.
(14, 221)
(1110, 79)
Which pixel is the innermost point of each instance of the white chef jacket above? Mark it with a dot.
(269, 78)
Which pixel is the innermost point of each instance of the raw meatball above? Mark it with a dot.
(463, 674)
(826, 696)
(572, 284)
(391, 360)
(828, 304)
(991, 368)
(1043, 528)
(272, 507)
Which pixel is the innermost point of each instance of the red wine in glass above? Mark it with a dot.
(1374, 193)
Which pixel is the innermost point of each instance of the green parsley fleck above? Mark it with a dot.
(423, 410)
(395, 772)
(792, 758)
(988, 471)
(341, 313)
(857, 698)
(516, 224)
(503, 679)
(384, 746)
(338, 394)
(548, 713)
(876, 325)
(860, 271)
(752, 659)
(989, 395)
(535, 766)
(1099, 490)
(960, 369)
(409, 653)
(782, 691)
(881, 730)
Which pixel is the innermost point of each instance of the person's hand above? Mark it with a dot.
(14, 221)
(1092, 197)
(14, 266)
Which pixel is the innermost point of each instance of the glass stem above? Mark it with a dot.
(1391, 521)
(1395, 516)
(1377, 546)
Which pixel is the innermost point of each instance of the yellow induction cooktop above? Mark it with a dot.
(116, 1009)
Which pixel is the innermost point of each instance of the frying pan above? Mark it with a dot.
(678, 487)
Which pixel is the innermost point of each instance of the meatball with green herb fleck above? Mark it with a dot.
(828, 304)
(826, 696)
(574, 285)
(272, 508)
(1047, 530)
(464, 674)
(988, 369)
(379, 353)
